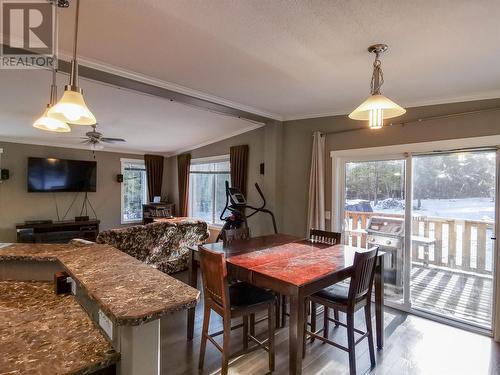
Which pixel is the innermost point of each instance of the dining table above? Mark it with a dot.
(293, 267)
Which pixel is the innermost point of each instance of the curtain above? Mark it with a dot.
(183, 164)
(238, 158)
(154, 173)
(496, 259)
(316, 208)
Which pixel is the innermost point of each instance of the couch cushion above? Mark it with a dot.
(163, 245)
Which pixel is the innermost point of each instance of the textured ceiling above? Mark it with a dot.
(149, 124)
(298, 58)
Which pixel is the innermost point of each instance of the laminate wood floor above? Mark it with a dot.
(413, 346)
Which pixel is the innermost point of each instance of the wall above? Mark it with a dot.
(17, 205)
(286, 150)
(263, 148)
(343, 133)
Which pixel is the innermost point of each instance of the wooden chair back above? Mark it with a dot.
(214, 275)
(362, 274)
(231, 235)
(325, 237)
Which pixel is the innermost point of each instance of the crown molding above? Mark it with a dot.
(108, 68)
(422, 103)
(214, 140)
(56, 143)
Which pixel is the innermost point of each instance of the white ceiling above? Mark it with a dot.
(295, 59)
(284, 59)
(149, 124)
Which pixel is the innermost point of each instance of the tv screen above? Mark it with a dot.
(58, 175)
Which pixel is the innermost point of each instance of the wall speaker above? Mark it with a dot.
(261, 168)
(119, 178)
(4, 174)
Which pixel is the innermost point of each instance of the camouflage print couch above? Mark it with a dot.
(163, 245)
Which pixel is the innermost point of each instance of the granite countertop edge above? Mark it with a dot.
(122, 320)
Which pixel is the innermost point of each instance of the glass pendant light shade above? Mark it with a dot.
(71, 108)
(375, 109)
(50, 124)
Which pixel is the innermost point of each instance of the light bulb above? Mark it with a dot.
(376, 118)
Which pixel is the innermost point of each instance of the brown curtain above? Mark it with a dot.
(238, 156)
(154, 173)
(183, 164)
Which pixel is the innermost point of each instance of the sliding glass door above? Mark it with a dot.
(453, 221)
(434, 215)
(374, 213)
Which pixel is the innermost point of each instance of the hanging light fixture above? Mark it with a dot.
(45, 122)
(71, 108)
(377, 107)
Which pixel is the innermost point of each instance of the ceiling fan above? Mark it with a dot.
(95, 139)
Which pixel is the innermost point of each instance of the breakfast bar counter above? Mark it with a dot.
(123, 296)
(45, 333)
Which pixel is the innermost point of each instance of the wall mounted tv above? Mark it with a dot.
(59, 175)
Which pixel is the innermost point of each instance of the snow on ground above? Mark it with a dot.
(467, 208)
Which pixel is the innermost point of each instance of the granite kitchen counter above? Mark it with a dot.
(128, 291)
(45, 333)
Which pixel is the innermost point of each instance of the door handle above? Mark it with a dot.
(493, 238)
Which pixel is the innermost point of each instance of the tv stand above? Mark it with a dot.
(57, 231)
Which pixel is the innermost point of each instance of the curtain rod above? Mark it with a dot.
(455, 150)
(419, 120)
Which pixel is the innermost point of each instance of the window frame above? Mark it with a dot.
(124, 161)
(209, 160)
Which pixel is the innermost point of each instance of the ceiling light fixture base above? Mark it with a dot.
(378, 48)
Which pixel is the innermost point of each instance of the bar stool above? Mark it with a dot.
(231, 301)
(350, 299)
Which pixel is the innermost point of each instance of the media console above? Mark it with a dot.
(57, 231)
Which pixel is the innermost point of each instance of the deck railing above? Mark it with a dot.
(457, 244)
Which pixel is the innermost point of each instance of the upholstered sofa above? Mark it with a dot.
(163, 245)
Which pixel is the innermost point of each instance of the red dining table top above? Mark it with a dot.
(295, 262)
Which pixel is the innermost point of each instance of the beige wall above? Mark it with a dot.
(262, 149)
(298, 143)
(17, 205)
(286, 150)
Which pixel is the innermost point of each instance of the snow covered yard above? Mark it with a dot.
(481, 209)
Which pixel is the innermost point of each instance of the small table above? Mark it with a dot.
(294, 267)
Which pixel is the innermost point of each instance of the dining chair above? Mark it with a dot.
(231, 301)
(325, 237)
(315, 236)
(231, 235)
(349, 299)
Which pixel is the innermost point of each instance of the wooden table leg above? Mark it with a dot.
(379, 301)
(193, 281)
(296, 327)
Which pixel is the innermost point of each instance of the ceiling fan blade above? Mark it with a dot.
(111, 140)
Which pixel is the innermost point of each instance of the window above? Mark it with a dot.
(207, 191)
(134, 190)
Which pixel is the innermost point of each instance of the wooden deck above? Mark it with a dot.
(453, 294)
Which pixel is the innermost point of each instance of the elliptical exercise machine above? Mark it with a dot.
(237, 205)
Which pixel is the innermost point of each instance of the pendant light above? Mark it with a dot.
(377, 107)
(45, 122)
(71, 108)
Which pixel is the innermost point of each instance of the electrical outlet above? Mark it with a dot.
(73, 285)
(106, 324)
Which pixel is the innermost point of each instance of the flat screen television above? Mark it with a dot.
(59, 175)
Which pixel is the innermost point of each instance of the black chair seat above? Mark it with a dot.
(337, 293)
(243, 294)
